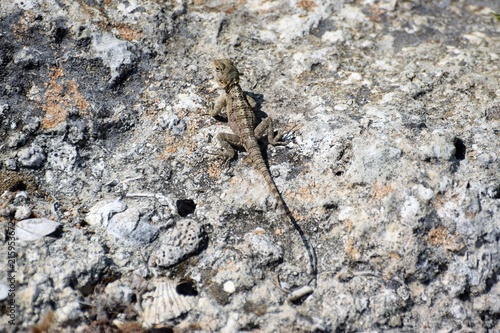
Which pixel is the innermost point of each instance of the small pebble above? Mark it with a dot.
(229, 287)
(22, 213)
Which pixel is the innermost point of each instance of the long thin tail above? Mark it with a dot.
(285, 212)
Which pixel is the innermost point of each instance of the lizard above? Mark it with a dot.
(246, 133)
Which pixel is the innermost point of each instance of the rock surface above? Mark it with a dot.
(392, 167)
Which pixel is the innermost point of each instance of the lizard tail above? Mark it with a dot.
(264, 171)
(284, 211)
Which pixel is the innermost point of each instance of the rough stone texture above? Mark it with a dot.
(180, 241)
(391, 169)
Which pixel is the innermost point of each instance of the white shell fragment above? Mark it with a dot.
(164, 303)
(299, 293)
(4, 291)
(33, 229)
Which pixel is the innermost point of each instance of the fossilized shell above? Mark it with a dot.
(164, 303)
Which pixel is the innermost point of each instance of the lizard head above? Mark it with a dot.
(225, 73)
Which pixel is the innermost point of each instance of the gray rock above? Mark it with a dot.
(103, 211)
(3, 108)
(28, 58)
(22, 213)
(62, 157)
(440, 147)
(123, 224)
(32, 125)
(11, 164)
(122, 221)
(17, 140)
(70, 309)
(260, 245)
(131, 226)
(77, 132)
(116, 54)
(177, 243)
(169, 120)
(373, 161)
(118, 294)
(32, 157)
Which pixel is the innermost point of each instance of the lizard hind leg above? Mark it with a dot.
(227, 142)
(266, 128)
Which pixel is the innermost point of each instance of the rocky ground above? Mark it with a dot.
(391, 168)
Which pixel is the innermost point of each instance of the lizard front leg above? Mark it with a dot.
(266, 125)
(220, 103)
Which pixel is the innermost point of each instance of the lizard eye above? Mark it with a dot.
(217, 69)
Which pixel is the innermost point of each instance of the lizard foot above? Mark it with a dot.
(277, 140)
(226, 160)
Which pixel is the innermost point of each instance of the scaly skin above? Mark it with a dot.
(241, 120)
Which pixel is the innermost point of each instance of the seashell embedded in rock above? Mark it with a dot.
(33, 229)
(164, 303)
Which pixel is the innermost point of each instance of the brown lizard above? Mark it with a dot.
(246, 133)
